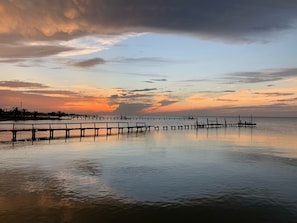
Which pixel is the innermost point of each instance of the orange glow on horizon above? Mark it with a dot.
(84, 106)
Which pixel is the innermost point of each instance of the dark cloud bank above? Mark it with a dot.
(24, 22)
(239, 20)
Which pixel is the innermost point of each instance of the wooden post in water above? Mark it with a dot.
(14, 133)
(33, 133)
(108, 129)
(67, 132)
(95, 128)
(51, 132)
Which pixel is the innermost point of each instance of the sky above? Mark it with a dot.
(147, 57)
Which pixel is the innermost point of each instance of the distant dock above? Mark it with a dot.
(49, 131)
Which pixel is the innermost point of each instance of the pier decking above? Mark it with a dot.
(49, 131)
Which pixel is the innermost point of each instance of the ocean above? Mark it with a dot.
(246, 174)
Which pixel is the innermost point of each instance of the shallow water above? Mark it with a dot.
(214, 175)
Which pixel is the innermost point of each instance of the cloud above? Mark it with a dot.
(276, 94)
(30, 51)
(216, 19)
(288, 100)
(229, 91)
(21, 84)
(156, 80)
(141, 60)
(130, 96)
(89, 63)
(160, 80)
(10, 61)
(54, 93)
(91, 44)
(131, 109)
(142, 90)
(262, 76)
(226, 100)
(167, 102)
(62, 22)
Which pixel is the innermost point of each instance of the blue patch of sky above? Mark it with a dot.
(193, 57)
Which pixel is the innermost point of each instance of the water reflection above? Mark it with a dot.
(223, 175)
(234, 206)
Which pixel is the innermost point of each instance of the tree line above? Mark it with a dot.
(24, 114)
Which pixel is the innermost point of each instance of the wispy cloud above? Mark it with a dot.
(229, 91)
(10, 61)
(288, 100)
(262, 76)
(160, 80)
(54, 93)
(30, 51)
(142, 60)
(276, 94)
(89, 44)
(88, 63)
(143, 90)
(22, 84)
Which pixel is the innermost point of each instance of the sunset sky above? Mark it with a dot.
(198, 57)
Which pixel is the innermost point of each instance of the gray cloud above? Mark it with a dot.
(263, 76)
(28, 51)
(160, 80)
(142, 90)
(131, 109)
(11, 61)
(156, 80)
(167, 102)
(21, 84)
(268, 94)
(287, 100)
(88, 63)
(229, 91)
(67, 19)
(53, 92)
(130, 96)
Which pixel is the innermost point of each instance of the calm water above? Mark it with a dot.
(214, 175)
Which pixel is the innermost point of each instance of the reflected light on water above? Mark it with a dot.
(215, 175)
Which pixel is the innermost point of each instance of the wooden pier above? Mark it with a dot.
(64, 130)
(49, 131)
